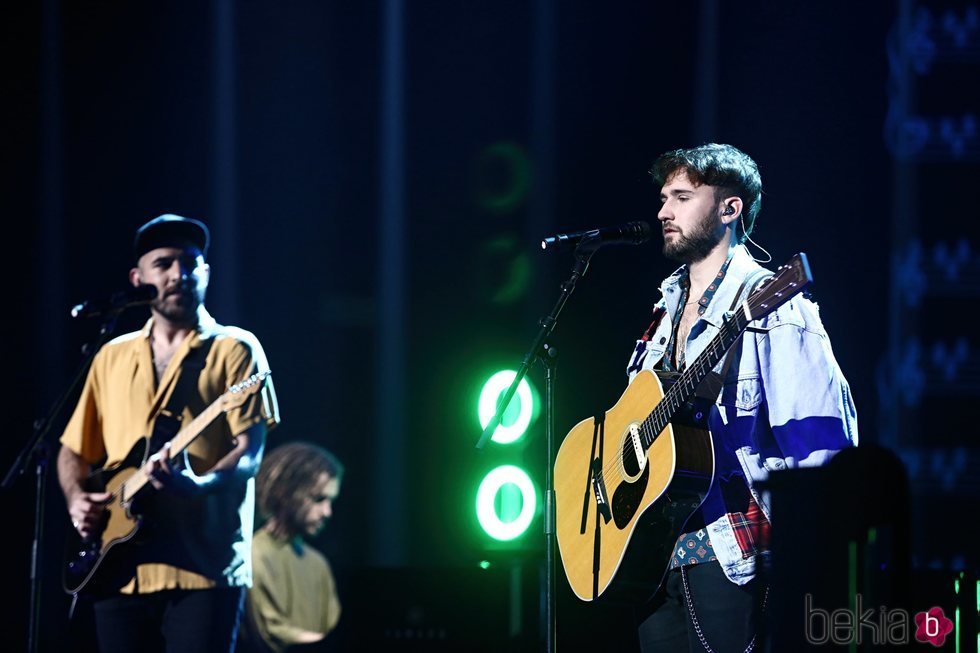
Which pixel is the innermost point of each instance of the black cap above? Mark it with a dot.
(171, 231)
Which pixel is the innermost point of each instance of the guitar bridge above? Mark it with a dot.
(599, 489)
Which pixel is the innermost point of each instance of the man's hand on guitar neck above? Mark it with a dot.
(163, 477)
(235, 467)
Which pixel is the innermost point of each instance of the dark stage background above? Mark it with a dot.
(377, 177)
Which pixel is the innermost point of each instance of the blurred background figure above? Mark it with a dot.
(293, 603)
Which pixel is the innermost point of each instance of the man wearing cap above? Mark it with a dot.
(183, 588)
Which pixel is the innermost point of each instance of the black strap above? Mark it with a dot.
(598, 437)
(167, 422)
(711, 386)
(751, 281)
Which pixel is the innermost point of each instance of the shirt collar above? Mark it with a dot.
(742, 263)
(206, 327)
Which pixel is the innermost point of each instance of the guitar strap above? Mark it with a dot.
(167, 422)
(598, 438)
(711, 386)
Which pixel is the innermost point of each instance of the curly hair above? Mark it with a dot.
(727, 168)
(288, 475)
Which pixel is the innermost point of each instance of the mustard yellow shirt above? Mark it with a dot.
(208, 542)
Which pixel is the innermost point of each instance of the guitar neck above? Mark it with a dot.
(181, 441)
(190, 432)
(686, 385)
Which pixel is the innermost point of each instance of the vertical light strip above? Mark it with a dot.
(224, 204)
(49, 271)
(50, 334)
(541, 218)
(852, 563)
(956, 619)
(388, 542)
(516, 605)
(541, 210)
(705, 115)
(902, 232)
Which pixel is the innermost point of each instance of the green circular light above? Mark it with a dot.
(490, 395)
(503, 177)
(503, 269)
(486, 502)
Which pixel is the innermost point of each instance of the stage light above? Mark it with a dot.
(519, 413)
(506, 502)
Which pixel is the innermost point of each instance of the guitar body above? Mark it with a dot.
(616, 529)
(107, 554)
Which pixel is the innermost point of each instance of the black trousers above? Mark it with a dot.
(172, 621)
(710, 614)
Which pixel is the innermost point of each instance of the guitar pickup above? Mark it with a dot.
(641, 457)
(599, 489)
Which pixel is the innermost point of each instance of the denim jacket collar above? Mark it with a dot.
(742, 264)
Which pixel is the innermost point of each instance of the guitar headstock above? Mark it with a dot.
(238, 393)
(790, 278)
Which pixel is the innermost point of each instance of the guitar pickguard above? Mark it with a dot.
(627, 497)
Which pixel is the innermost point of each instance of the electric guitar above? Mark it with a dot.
(104, 562)
(626, 483)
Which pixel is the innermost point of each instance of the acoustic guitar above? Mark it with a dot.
(626, 483)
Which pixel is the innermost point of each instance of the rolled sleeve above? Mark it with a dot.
(810, 409)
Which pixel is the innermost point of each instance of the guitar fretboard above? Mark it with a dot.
(181, 441)
(686, 384)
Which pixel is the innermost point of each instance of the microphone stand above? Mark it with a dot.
(36, 453)
(542, 352)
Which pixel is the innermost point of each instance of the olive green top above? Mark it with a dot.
(293, 590)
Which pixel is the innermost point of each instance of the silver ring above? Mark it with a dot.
(75, 524)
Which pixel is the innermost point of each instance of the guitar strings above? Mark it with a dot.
(738, 324)
(698, 368)
(203, 416)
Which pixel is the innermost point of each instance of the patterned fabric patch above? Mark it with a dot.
(751, 529)
(751, 532)
(692, 548)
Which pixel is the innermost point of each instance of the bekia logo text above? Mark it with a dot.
(880, 627)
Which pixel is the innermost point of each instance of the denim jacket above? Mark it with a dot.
(784, 402)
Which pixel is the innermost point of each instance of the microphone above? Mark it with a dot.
(631, 233)
(117, 302)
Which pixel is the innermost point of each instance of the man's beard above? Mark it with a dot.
(183, 311)
(695, 246)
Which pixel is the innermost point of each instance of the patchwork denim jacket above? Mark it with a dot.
(784, 401)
